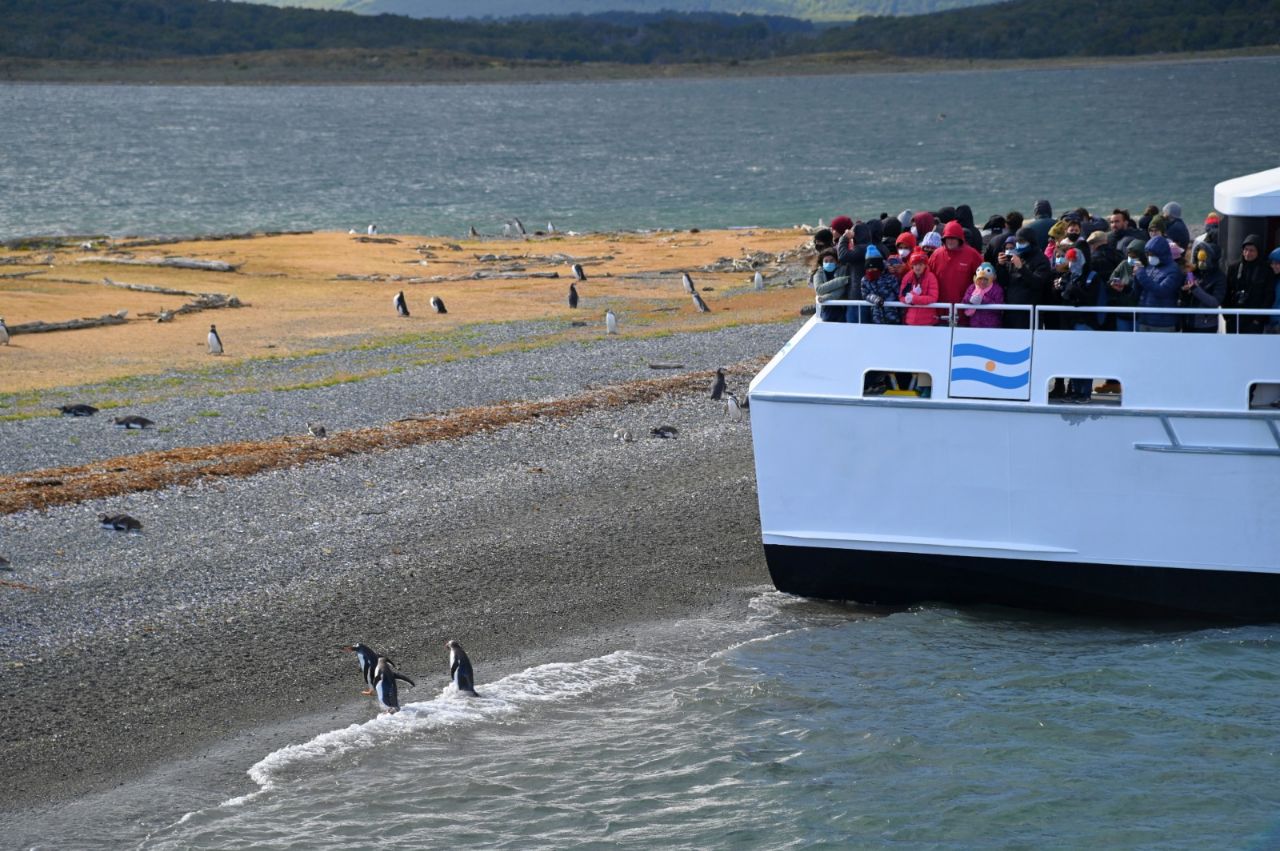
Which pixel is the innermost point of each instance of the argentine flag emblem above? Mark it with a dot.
(982, 371)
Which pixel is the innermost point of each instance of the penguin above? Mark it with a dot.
(688, 283)
(460, 670)
(77, 410)
(120, 522)
(731, 406)
(473, 233)
(758, 281)
(519, 226)
(373, 230)
(316, 430)
(367, 659)
(402, 308)
(4, 333)
(700, 304)
(133, 422)
(438, 304)
(610, 322)
(551, 228)
(215, 342)
(623, 435)
(384, 685)
(573, 297)
(664, 432)
(578, 274)
(717, 388)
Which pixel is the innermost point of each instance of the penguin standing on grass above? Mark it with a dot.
(384, 685)
(700, 304)
(4, 333)
(402, 307)
(460, 670)
(573, 297)
(215, 342)
(610, 322)
(438, 304)
(578, 273)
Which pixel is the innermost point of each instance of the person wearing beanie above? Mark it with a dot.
(983, 290)
(1158, 284)
(1205, 286)
(1103, 254)
(919, 287)
(1057, 233)
(1120, 289)
(904, 219)
(954, 264)
(931, 242)
(878, 285)
(840, 224)
(891, 229)
(1158, 226)
(1041, 223)
(1249, 286)
(1175, 228)
(1210, 231)
(1025, 276)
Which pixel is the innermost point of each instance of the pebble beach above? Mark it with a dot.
(539, 540)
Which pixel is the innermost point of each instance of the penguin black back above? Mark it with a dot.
(438, 304)
(460, 670)
(384, 685)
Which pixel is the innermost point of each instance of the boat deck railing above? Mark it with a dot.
(1038, 310)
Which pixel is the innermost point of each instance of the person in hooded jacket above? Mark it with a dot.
(905, 245)
(1026, 278)
(973, 236)
(919, 287)
(1206, 286)
(1158, 284)
(1147, 215)
(1041, 223)
(1076, 285)
(1249, 286)
(1175, 228)
(922, 223)
(852, 250)
(954, 264)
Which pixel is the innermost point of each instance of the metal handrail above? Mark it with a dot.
(952, 307)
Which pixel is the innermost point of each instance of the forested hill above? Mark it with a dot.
(811, 10)
(1026, 29)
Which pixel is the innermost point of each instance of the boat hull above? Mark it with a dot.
(880, 577)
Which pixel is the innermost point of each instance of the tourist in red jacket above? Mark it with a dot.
(954, 264)
(919, 286)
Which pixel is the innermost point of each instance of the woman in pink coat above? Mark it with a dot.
(919, 287)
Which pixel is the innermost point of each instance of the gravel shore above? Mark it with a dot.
(227, 612)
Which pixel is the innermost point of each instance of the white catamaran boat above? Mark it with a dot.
(970, 484)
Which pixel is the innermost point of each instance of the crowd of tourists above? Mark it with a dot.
(903, 267)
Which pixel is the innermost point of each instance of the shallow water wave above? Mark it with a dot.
(811, 724)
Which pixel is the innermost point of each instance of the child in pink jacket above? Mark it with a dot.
(984, 290)
(919, 286)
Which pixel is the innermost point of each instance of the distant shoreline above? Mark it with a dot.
(401, 67)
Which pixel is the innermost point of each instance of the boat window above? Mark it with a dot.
(1084, 390)
(911, 385)
(1264, 395)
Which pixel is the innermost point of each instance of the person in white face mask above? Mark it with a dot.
(1158, 284)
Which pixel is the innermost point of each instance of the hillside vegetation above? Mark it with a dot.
(1023, 29)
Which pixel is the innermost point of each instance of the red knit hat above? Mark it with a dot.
(917, 257)
(840, 224)
(1212, 219)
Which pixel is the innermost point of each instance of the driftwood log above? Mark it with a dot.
(169, 262)
(218, 237)
(117, 318)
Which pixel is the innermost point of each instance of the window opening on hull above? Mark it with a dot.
(1080, 390)
(1264, 395)
(911, 385)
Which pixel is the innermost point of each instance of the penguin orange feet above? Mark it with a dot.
(367, 691)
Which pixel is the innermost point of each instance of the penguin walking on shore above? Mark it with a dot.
(120, 522)
(460, 670)
(717, 387)
(610, 322)
(688, 283)
(134, 421)
(473, 233)
(4, 333)
(367, 659)
(700, 304)
(438, 304)
(402, 307)
(215, 342)
(573, 297)
(732, 407)
(384, 685)
(578, 273)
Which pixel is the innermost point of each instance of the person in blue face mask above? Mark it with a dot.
(1027, 274)
(830, 281)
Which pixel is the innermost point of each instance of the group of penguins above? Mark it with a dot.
(380, 676)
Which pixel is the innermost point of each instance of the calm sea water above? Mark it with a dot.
(802, 725)
(593, 156)
(798, 724)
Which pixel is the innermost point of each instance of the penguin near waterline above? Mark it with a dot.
(578, 274)
(700, 304)
(4, 333)
(610, 322)
(438, 304)
(473, 233)
(384, 685)
(402, 307)
(688, 283)
(367, 658)
(77, 410)
(215, 342)
(573, 297)
(717, 387)
(460, 670)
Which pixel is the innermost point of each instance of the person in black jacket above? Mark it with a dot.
(1249, 286)
(973, 236)
(1207, 287)
(1027, 271)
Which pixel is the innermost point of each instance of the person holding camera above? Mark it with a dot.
(1249, 286)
